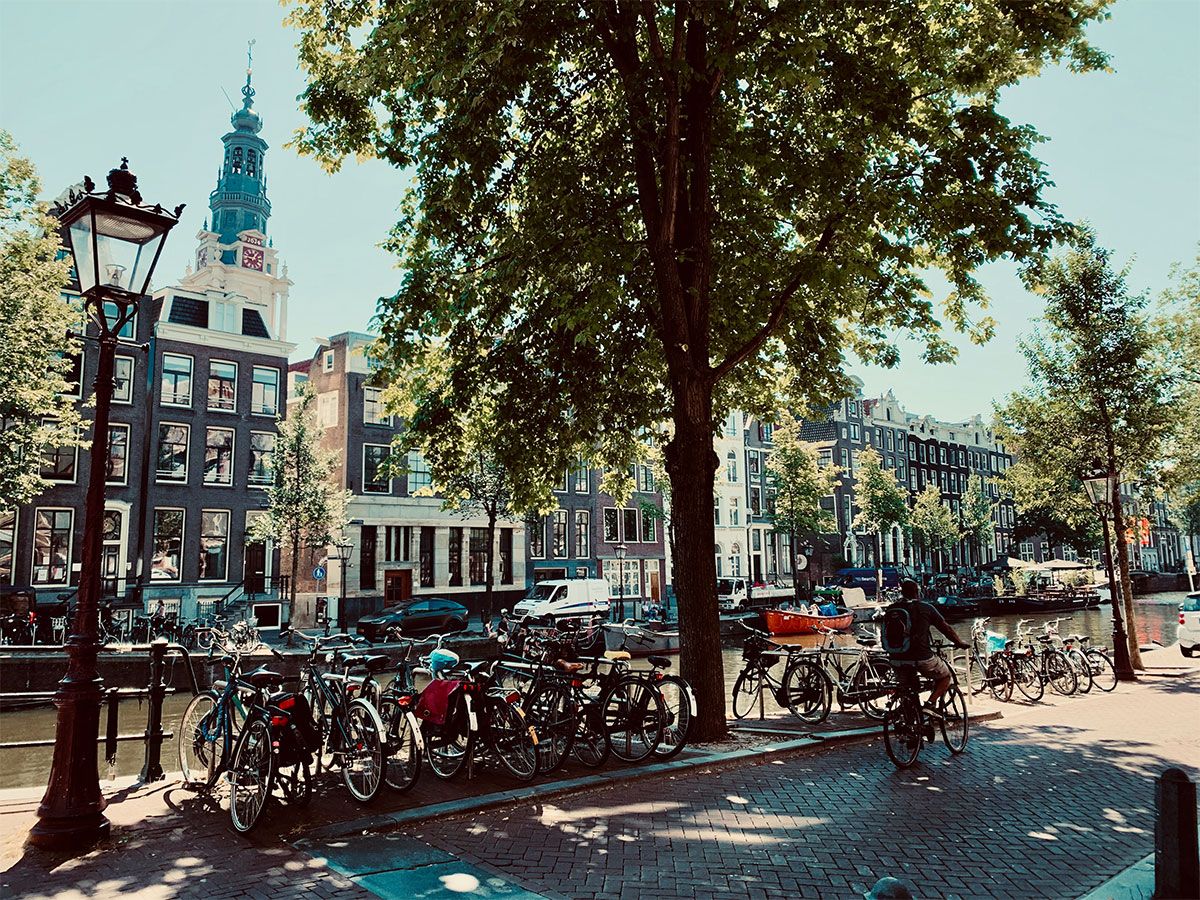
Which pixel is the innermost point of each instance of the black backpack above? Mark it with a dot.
(897, 629)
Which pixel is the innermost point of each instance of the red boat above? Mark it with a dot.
(786, 621)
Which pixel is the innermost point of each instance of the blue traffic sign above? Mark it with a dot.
(319, 573)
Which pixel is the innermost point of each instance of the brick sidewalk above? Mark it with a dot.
(1049, 802)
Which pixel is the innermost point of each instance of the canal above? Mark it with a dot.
(1156, 621)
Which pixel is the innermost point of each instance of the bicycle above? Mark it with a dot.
(866, 681)
(802, 692)
(209, 725)
(995, 667)
(1100, 669)
(908, 724)
(1053, 667)
(404, 747)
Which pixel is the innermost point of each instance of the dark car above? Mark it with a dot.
(418, 615)
(863, 577)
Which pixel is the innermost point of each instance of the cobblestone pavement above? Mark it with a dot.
(1049, 802)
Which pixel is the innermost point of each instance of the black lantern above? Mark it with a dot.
(342, 551)
(620, 551)
(1099, 485)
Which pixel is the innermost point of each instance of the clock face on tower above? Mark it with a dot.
(252, 258)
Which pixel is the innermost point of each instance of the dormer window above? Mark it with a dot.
(223, 316)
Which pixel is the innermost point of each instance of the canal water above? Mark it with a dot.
(1156, 621)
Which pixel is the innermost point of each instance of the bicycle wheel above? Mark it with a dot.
(511, 738)
(745, 691)
(251, 772)
(956, 723)
(323, 758)
(1083, 670)
(362, 757)
(679, 708)
(1062, 676)
(807, 691)
(204, 639)
(633, 719)
(294, 783)
(402, 753)
(1104, 673)
(450, 745)
(552, 713)
(873, 683)
(902, 726)
(999, 677)
(590, 748)
(1027, 678)
(201, 741)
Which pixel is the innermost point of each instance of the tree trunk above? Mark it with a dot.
(879, 563)
(692, 465)
(295, 571)
(1126, 585)
(485, 614)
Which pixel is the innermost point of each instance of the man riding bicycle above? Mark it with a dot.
(906, 638)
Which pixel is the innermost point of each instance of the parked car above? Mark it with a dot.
(1189, 624)
(418, 615)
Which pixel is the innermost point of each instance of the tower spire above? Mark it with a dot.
(248, 91)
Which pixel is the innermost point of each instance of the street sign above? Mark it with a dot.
(319, 573)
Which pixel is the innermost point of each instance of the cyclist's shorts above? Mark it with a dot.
(935, 667)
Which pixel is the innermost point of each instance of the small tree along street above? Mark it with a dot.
(1099, 390)
(931, 523)
(882, 503)
(801, 483)
(37, 408)
(624, 212)
(305, 509)
(977, 508)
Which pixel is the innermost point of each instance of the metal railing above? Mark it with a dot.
(156, 691)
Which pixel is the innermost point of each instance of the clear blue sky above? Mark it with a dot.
(84, 83)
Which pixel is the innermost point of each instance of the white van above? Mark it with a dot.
(566, 599)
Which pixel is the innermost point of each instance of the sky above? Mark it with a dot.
(84, 83)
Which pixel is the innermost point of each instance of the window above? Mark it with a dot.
(734, 512)
(375, 476)
(768, 432)
(477, 559)
(629, 519)
(176, 380)
(921, 451)
(117, 471)
(373, 413)
(223, 316)
(59, 463)
(649, 533)
(168, 545)
(731, 425)
(558, 526)
(222, 385)
(563, 483)
(427, 556)
(418, 472)
(645, 479)
(506, 556)
(264, 394)
(214, 544)
(455, 557)
(536, 530)
(172, 452)
(627, 587)
(52, 533)
(755, 502)
(716, 510)
(942, 455)
(218, 456)
(8, 541)
(891, 441)
(582, 534)
(327, 410)
(112, 315)
(854, 432)
(328, 361)
(123, 379)
(731, 467)
(1027, 552)
(611, 526)
(580, 478)
(752, 462)
(262, 452)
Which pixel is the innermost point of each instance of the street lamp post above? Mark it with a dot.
(620, 551)
(749, 555)
(115, 242)
(1100, 484)
(342, 551)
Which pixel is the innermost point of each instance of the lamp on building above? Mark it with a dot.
(115, 242)
(620, 551)
(342, 551)
(1101, 483)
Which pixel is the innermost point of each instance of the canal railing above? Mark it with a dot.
(155, 692)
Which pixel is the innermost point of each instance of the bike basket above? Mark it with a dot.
(995, 642)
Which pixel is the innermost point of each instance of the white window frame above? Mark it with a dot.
(555, 517)
(228, 544)
(221, 310)
(187, 457)
(113, 426)
(232, 457)
(388, 481)
(328, 361)
(12, 547)
(236, 373)
(428, 476)
(540, 524)
(131, 325)
(582, 517)
(33, 567)
(251, 478)
(182, 544)
(384, 419)
(175, 395)
(126, 398)
(74, 479)
(255, 410)
(616, 538)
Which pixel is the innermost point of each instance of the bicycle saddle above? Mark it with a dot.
(617, 654)
(1045, 638)
(262, 677)
(374, 662)
(564, 665)
(1082, 638)
(661, 661)
(867, 641)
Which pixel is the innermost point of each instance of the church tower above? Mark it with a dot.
(234, 256)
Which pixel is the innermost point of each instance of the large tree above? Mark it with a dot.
(931, 523)
(882, 503)
(801, 483)
(628, 210)
(1099, 390)
(36, 354)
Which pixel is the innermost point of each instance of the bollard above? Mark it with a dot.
(890, 889)
(1176, 855)
(152, 770)
(110, 730)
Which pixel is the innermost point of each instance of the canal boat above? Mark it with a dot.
(642, 638)
(788, 621)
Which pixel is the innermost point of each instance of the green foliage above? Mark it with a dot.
(36, 323)
(931, 523)
(801, 482)
(1020, 579)
(1178, 321)
(882, 499)
(977, 509)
